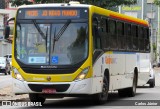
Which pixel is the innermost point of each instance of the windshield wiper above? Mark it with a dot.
(39, 30)
(61, 31)
(46, 38)
(41, 33)
(54, 39)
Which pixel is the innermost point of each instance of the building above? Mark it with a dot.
(6, 11)
(147, 10)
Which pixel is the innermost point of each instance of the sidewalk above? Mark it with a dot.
(7, 94)
(156, 68)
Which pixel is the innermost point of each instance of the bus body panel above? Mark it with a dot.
(117, 63)
(144, 68)
(131, 63)
(76, 87)
(117, 81)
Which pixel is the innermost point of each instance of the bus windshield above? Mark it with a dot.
(39, 42)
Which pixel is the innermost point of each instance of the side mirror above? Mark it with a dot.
(7, 31)
(7, 28)
(96, 54)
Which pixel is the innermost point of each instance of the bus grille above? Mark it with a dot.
(58, 87)
(49, 71)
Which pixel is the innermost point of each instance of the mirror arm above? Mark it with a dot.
(10, 19)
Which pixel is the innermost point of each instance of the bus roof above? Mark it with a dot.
(96, 9)
(54, 5)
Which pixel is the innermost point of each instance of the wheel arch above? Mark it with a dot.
(136, 74)
(107, 75)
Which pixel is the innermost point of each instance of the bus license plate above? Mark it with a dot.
(49, 91)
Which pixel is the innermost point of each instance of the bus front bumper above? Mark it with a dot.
(74, 87)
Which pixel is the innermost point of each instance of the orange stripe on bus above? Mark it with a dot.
(127, 19)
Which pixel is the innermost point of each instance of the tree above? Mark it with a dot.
(157, 2)
(154, 51)
(27, 2)
(109, 4)
(17, 3)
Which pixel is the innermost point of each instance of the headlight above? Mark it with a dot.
(83, 74)
(17, 74)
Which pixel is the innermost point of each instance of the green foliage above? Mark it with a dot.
(112, 3)
(19, 2)
(27, 2)
(109, 4)
(155, 51)
(157, 2)
(154, 47)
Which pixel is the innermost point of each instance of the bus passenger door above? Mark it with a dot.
(97, 58)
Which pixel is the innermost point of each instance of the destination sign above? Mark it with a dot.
(55, 13)
(52, 13)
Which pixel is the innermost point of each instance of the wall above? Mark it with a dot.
(5, 48)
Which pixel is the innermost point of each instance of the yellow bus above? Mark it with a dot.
(71, 50)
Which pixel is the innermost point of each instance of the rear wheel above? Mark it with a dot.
(102, 97)
(129, 91)
(152, 83)
(132, 90)
(36, 98)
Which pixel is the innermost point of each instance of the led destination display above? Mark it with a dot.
(52, 13)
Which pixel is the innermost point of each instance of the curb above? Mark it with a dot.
(7, 94)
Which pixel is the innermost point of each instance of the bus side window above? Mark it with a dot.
(129, 41)
(113, 35)
(103, 32)
(96, 36)
(135, 37)
(141, 38)
(146, 40)
(107, 36)
(120, 33)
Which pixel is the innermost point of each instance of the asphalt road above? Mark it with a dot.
(5, 80)
(146, 98)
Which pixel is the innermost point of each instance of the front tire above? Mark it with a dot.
(102, 97)
(36, 98)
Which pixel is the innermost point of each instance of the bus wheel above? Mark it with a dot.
(129, 91)
(102, 97)
(152, 83)
(132, 90)
(36, 98)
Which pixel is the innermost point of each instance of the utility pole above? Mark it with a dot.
(153, 44)
(158, 35)
(142, 15)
